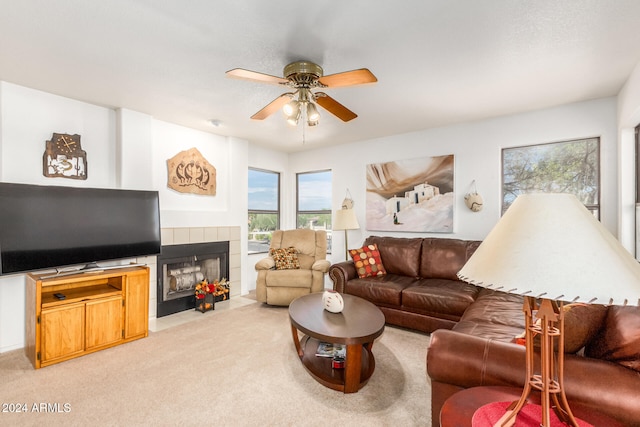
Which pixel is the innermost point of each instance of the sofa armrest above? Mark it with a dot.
(341, 273)
(470, 361)
(265, 264)
(321, 265)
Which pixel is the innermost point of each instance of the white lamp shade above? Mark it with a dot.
(551, 246)
(345, 220)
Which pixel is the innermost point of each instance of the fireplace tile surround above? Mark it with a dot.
(186, 235)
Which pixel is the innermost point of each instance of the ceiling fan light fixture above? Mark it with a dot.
(293, 118)
(303, 77)
(291, 107)
(312, 114)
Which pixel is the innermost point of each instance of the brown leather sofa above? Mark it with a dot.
(473, 330)
(601, 371)
(420, 290)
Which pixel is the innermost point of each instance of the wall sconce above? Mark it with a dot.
(472, 199)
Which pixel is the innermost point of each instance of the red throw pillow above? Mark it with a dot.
(367, 261)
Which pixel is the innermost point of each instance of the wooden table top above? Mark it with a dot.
(360, 321)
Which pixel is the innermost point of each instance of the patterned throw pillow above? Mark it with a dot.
(367, 261)
(285, 258)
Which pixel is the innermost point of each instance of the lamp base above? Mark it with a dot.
(549, 382)
(346, 246)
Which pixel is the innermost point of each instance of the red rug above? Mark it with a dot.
(529, 415)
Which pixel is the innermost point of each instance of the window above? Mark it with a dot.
(264, 208)
(637, 136)
(559, 167)
(313, 204)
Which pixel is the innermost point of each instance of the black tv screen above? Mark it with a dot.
(50, 226)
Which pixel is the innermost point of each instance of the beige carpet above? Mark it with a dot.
(232, 368)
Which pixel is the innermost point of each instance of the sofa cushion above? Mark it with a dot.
(399, 255)
(367, 261)
(494, 315)
(619, 338)
(581, 323)
(384, 290)
(441, 296)
(443, 258)
(288, 278)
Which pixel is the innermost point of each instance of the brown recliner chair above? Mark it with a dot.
(281, 286)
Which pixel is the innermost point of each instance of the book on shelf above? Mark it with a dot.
(326, 349)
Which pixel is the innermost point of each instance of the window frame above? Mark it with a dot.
(276, 212)
(328, 212)
(637, 144)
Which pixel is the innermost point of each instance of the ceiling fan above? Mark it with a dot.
(303, 78)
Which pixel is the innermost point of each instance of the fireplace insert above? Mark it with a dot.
(181, 267)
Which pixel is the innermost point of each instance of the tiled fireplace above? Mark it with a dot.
(181, 267)
(196, 236)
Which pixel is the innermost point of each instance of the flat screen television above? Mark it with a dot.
(43, 227)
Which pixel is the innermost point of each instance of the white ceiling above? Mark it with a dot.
(438, 62)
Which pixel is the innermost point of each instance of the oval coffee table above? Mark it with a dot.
(357, 326)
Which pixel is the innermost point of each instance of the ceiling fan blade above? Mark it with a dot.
(272, 107)
(348, 78)
(334, 107)
(240, 73)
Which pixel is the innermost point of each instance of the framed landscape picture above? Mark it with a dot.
(555, 167)
(412, 195)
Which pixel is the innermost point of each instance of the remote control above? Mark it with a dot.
(59, 296)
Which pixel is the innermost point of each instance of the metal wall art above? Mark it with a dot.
(64, 157)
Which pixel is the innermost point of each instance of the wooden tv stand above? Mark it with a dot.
(100, 310)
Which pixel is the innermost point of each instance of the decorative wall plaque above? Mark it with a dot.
(189, 172)
(64, 157)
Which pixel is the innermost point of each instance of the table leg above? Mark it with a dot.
(296, 341)
(352, 368)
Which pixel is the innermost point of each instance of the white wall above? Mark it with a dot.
(628, 119)
(29, 118)
(125, 149)
(477, 150)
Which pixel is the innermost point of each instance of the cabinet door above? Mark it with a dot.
(62, 331)
(137, 306)
(104, 322)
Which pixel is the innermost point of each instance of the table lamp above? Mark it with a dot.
(346, 220)
(551, 249)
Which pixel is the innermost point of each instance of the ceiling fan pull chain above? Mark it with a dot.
(304, 138)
